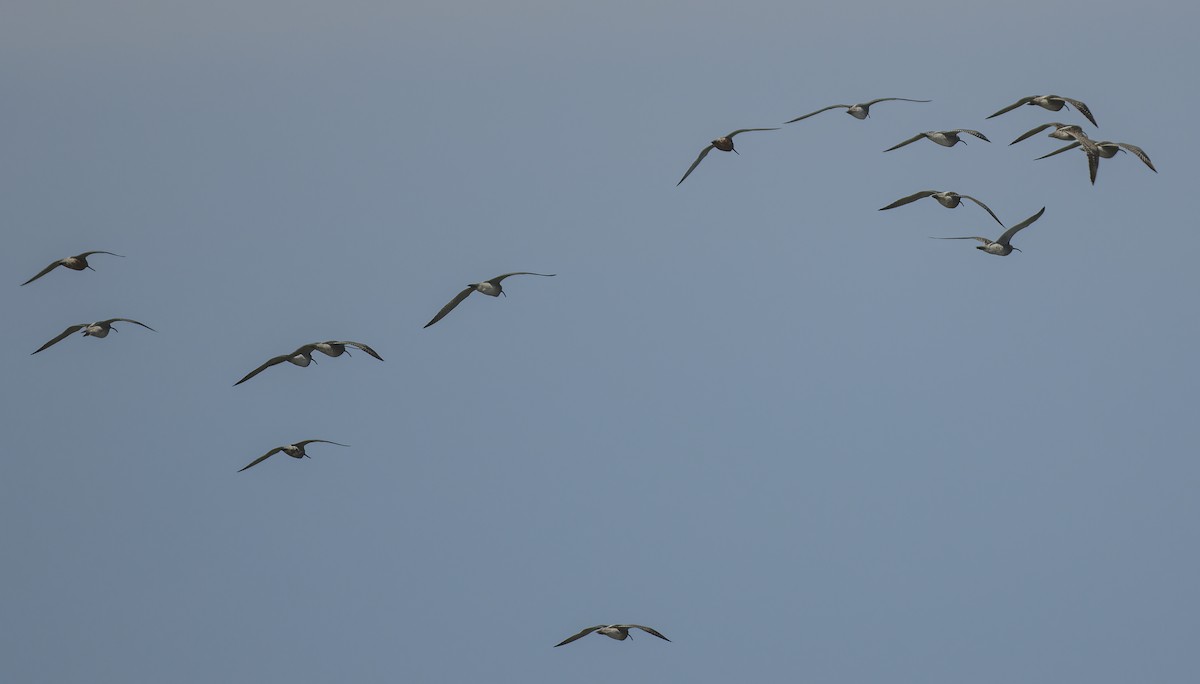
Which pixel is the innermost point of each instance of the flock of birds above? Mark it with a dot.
(1002, 246)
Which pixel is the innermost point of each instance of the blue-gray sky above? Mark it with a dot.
(790, 431)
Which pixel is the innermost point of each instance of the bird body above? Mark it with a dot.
(948, 199)
(618, 632)
(723, 143)
(98, 329)
(1053, 103)
(944, 138)
(491, 288)
(1001, 246)
(294, 450)
(75, 263)
(859, 111)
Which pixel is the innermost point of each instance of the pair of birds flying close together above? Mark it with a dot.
(725, 142)
(303, 356)
(618, 632)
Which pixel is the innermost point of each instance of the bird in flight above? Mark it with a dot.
(1052, 102)
(948, 199)
(1108, 150)
(1073, 132)
(491, 288)
(75, 263)
(1002, 246)
(294, 450)
(858, 111)
(724, 143)
(943, 138)
(97, 329)
(618, 632)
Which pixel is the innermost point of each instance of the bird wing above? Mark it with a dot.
(984, 240)
(648, 630)
(1139, 153)
(96, 251)
(322, 441)
(985, 208)
(46, 270)
(911, 198)
(497, 279)
(747, 130)
(1081, 107)
(63, 335)
(453, 303)
(1061, 150)
(1034, 131)
(1008, 234)
(910, 140)
(581, 634)
(1091, 148)
(262, 458)
(703, 153)
(360, 345)
(823, 109)
(270, 362)
(1018, 103)
(129, 320)
(977, 134)
(888, 99)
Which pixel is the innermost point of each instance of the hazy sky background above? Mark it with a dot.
(791, 432)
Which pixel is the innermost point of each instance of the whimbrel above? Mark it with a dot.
(1108, 149)
(491, 288)
(618, 632)
(1001, 246)
(97, 329)
(301, 357)
(724, 143)
(75, 263)
(858, 111)
(943, 138)
(947, 198)
(1051, 102)
(294, 450)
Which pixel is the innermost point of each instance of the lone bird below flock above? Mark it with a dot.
(75, 263)
(1108, 150)
(1003, 245)
(858, 111)
(491, 288)
(294, 450)
(97, 329)
(303, 356)
(1073, 132)
(724, 143)
(943, 138)
(618, 632)
(948, 199)
(1052, 102)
